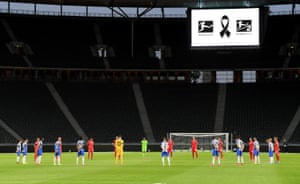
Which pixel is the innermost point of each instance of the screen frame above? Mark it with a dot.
(261, 11)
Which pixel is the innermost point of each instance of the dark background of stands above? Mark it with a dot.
(105, 108)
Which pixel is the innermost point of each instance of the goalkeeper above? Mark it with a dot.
(144, 144)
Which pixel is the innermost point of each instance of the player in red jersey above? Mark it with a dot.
(251, 149)
(194, 144)
(276, 149)
(170, 147)
(36, 147)
(90, 144)
(221, 147)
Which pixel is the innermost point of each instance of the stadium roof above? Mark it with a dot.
(164, 3)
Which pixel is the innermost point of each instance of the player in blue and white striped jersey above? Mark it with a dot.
(25, 151)
(18, 150)
(57, 151)
(239, 152)
(39, 152)
(256, 151)
(270, 150)
(164, 151)
(80, 150)
(215, 151)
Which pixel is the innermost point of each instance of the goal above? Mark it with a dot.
(182, 141)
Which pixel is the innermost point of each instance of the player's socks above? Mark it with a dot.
(163, 161)
(219, 161)
(18, 160)
(277, 158)
(77, 160)
(242, 160)
(272, 160)
(82, 160)
(169, 163)
(24, 160)
(213, 161)
(38, 160)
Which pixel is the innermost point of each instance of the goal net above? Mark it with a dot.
(182, 141)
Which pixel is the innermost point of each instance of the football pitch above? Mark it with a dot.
(136, 170)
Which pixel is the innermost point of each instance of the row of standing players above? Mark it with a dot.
(22, 148)
(217, 150)
(166, 146)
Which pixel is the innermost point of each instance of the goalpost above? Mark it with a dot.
(182, 141)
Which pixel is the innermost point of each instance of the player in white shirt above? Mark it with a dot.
(57, 151)
(40, 152)
(256, 151)
(80, 150)
(164, 152)
(215, 151)
(25, 151)
(18, 150)
(270, 150)
(239, 152)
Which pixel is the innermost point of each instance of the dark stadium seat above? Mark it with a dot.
(57, 42)
(103, 110)
(260, 110)
(180, 107)
(29, 109)
(296, 136)
(66, 42)
(6, 138)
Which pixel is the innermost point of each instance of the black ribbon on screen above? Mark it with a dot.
(225, 26)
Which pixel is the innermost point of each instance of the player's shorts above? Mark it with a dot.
(170, 150)
(220, 150)
(215, 153)
(194, 150)
(276, 151)
(270, 153)
(119, 154)
(25, 153)
(57, 153)
(18, 153)
(256, 153)
(40, 152)
(80, 152)
(239, 152)
(91, 150)
(164, 154)
(144, 149)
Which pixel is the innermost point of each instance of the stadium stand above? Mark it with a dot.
(103, 110)
(66, 42)
(5, 137)
(8, 59)
(296, 136)
(180, 107)
(28, 108)
(260, 110)
(57, 42)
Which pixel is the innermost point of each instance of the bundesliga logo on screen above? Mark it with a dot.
(205, 26)
(244, 26)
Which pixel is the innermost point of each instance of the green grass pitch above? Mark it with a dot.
(183, 170)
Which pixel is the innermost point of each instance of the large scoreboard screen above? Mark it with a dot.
(225, 27)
